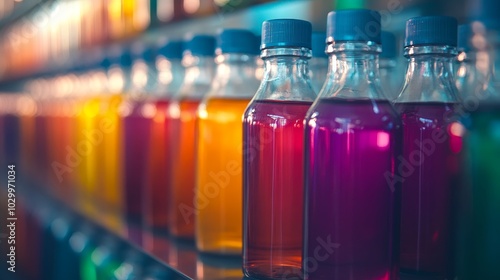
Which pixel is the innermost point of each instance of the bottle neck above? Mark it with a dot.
(353, 71)
(170, 76)
(199, 73)
(144, 77)
(235, 76)
(429, 76)
(237, 66)
(119, 79)
(286, 75)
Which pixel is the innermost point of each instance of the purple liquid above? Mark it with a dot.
(136, 129)
(352, 220)
(427, 189)
(273, 187)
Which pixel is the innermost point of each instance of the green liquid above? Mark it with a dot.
(479, 228)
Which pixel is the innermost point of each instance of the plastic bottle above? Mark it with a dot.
(159, 151)
(431, 145)
(353, 137)
(478, 245)
(219, 144)
(199, 62)
(273, 129)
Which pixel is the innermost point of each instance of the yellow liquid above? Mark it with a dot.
(109, 161)
(219, 176)
(86, 152)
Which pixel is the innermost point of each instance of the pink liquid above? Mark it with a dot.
(428, 189)
(136, 131)
(352, 212)
(273, 187)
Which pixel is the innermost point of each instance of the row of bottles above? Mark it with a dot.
(322, 171)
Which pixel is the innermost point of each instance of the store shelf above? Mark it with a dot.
(63, 227)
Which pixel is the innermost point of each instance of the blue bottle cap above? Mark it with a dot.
(389, 48)
(171, 49)
(237, 41)
(201, 45)
(356, 25)
(283, 33)
(319, 44)
(431, 30)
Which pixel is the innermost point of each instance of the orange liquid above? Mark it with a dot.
(58, 139)
(158, 172)
(219, 176)
(182, 216)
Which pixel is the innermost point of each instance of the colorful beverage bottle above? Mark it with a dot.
(318, 64)
(219, 143)
(390, 75)
(478, 245)
(105, 138)
(170, 75)
(273, 152)
(428, 166)
(199, 62)
(82, 151)
(353, 137)
(135, 137)
(138, 115)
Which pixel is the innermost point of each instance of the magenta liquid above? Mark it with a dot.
(428, 190)
(273, 187)
(352, 220)
(136, 130)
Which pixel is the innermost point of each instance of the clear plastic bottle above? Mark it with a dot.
(198, 60)
(273, 160)
(391, 80)
(353, 137)
(219, 144)
(318, 65)
(169, 69)
(478, 245)
(431, 146)
(157, 183)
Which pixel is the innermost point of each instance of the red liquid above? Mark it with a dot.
(157, 184)
(352, 212)
(273, 187)
(183, 170)
(136, 131)
(428, 188)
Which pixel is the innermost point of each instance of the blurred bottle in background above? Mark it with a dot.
(219, 144)
(198, 61)
(136, 115)
(478, 248)
(158, 181)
